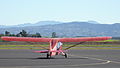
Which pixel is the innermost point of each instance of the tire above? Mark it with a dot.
(66, 56)
(48, 56)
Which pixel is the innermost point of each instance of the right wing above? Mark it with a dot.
(26, 39)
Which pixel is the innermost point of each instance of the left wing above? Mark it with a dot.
(84, 39)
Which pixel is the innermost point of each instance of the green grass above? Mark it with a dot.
(64, 48)
(66, 45)
(45, 45)
(109, 40)
(97, 48)
(93, 45)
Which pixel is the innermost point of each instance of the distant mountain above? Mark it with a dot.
(23, 25)
(93, 22)
(71, 29)
(40, 23)
(47, 23)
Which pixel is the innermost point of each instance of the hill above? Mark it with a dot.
(40, 23)
(71, 29)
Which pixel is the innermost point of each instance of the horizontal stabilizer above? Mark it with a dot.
(42, 51)
(46, 51)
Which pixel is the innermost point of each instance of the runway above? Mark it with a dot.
(77, 59)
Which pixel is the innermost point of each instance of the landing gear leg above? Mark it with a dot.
(48, 56)
(66, 56)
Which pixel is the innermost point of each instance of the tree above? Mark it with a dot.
(38, 35)
(23, 33)
(2, 35)
(33, 35)
(12, 35)
(54, 35)
(7, 33)
(18, 35)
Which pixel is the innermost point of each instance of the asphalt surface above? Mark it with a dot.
(77, 59)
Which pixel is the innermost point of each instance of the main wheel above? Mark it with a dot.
(66, 56)
(48, 56)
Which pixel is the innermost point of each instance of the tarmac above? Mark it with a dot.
(19, 58)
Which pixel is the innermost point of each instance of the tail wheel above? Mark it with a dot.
(66, 56)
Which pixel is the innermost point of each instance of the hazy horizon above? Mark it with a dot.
(60, 22)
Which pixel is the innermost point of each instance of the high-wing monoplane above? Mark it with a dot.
(55, 47)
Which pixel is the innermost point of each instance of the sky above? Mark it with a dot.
(13, 12)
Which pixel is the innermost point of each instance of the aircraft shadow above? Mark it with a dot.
(43, 58)
(59, 58)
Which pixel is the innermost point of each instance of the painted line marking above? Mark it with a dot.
(75, 65)
(108, 61)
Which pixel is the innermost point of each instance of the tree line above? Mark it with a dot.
(24, 33)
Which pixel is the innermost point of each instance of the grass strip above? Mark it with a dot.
(63, 45)
(66, 45)
(85, 48)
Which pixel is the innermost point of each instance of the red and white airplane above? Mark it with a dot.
(55, 47)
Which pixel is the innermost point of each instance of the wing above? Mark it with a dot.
(27, 39)
(84, 39)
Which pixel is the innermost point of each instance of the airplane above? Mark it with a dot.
(55, 47)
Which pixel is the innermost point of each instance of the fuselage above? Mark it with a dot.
(55, 47)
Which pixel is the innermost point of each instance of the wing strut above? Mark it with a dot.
(73, 45)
